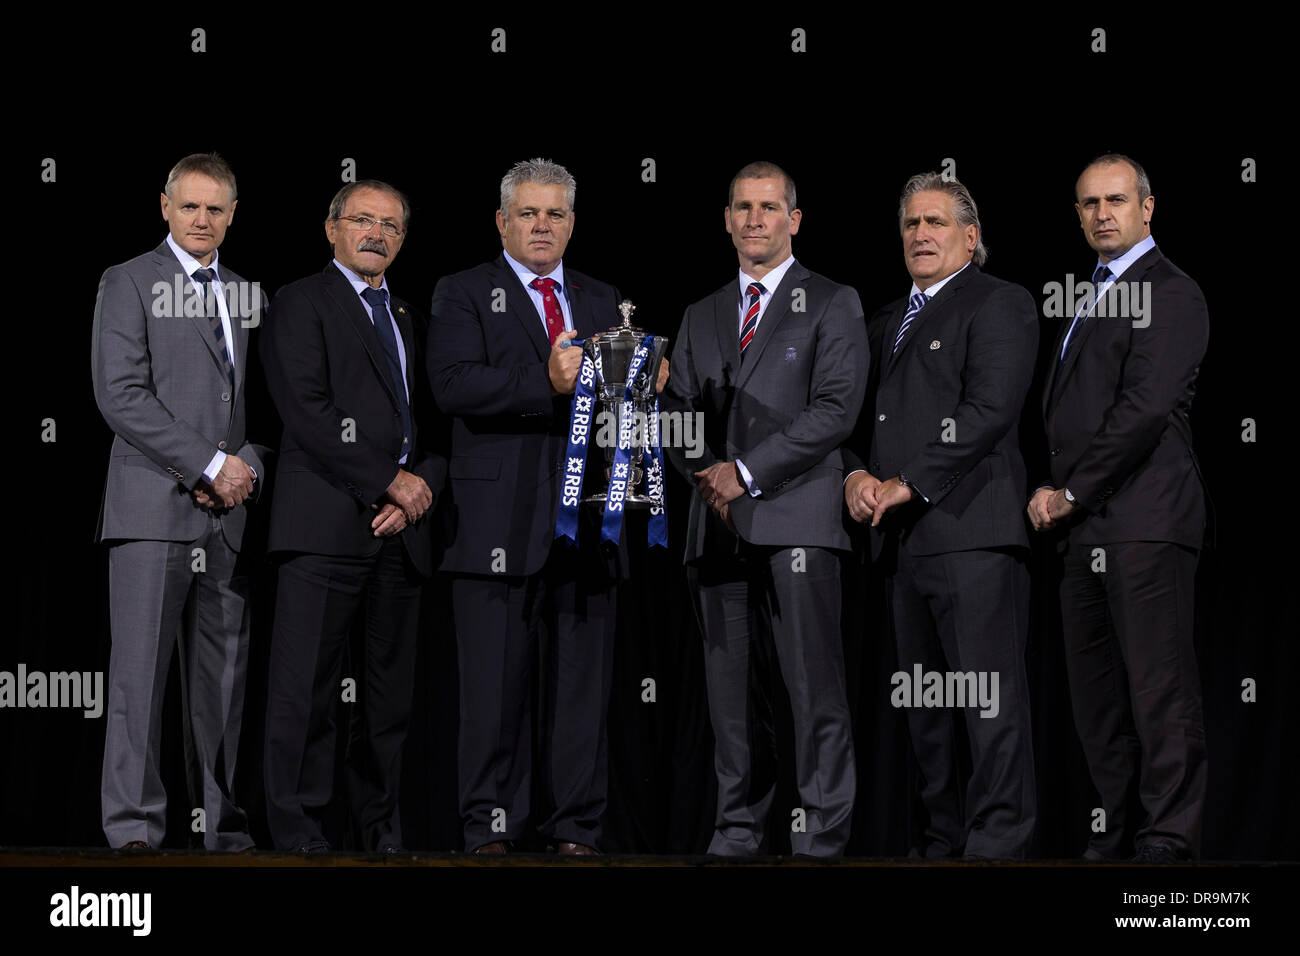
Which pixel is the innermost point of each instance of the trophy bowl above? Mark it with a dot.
(613, 351)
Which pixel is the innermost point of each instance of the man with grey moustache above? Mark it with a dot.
(353, 483)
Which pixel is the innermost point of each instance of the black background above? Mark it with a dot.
(421, 101)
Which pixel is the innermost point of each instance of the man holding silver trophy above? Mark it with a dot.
(504, 364)
(776, 362)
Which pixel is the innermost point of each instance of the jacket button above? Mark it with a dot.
(882, 416)
(1055, 452)
(225, 396)
(875, 466)
(221, 445)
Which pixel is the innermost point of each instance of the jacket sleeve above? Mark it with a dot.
(681, 396)
(123, 381)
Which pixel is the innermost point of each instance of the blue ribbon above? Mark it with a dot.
(621, 472)
(575, 459)
(581, 427)
(654, 485)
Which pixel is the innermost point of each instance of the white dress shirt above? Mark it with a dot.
(359, 285)
(191, 265)
(770, 282)
(527, 275)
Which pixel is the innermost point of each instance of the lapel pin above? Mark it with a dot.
(934, 345)
(791, 355)
(401, 311)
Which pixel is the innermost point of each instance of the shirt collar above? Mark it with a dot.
(359, 285)
(935, 289)
(527, 275)
(1121, 263)
(189, 263)
(770, 281)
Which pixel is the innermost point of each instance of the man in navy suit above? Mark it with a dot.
(501, 366)
(1126, 486)
(352, 484)
(941, 481)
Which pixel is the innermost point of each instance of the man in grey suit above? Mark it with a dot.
(168, 360)
(776, 362)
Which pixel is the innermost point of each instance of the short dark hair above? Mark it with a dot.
(763, 170)
(209, 164)
(1110, 159)
(340, 199)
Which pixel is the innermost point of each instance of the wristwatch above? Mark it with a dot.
(906, 482)
(1068, 497)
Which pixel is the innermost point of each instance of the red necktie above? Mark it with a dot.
(750, 324)
(554, 317)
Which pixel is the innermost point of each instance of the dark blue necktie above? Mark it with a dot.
(378, 302)
(205, 277)
(1100, 275)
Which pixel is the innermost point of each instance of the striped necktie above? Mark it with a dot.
(205, 277)
(747, 328)
(914, 305)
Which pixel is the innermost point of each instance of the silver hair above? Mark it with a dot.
(963, 205)
(340, 199)
(207, 164)
(543, 172)
(1110, 159)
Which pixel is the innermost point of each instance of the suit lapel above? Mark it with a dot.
(403, 319)
(340, 290)
(585, 320)
(891, 333)
(1079, 341)
(1049, 389)
(726, 323)
(237, 328)
(171, 270)
(770, 321)
(520, 305)
(935, 306)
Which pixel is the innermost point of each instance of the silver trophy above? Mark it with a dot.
(612, 352)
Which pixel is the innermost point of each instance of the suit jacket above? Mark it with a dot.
(161, 385)
(784, 410)
(946, 414)
(325, 367)
(1118, 414)
(487, 358)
